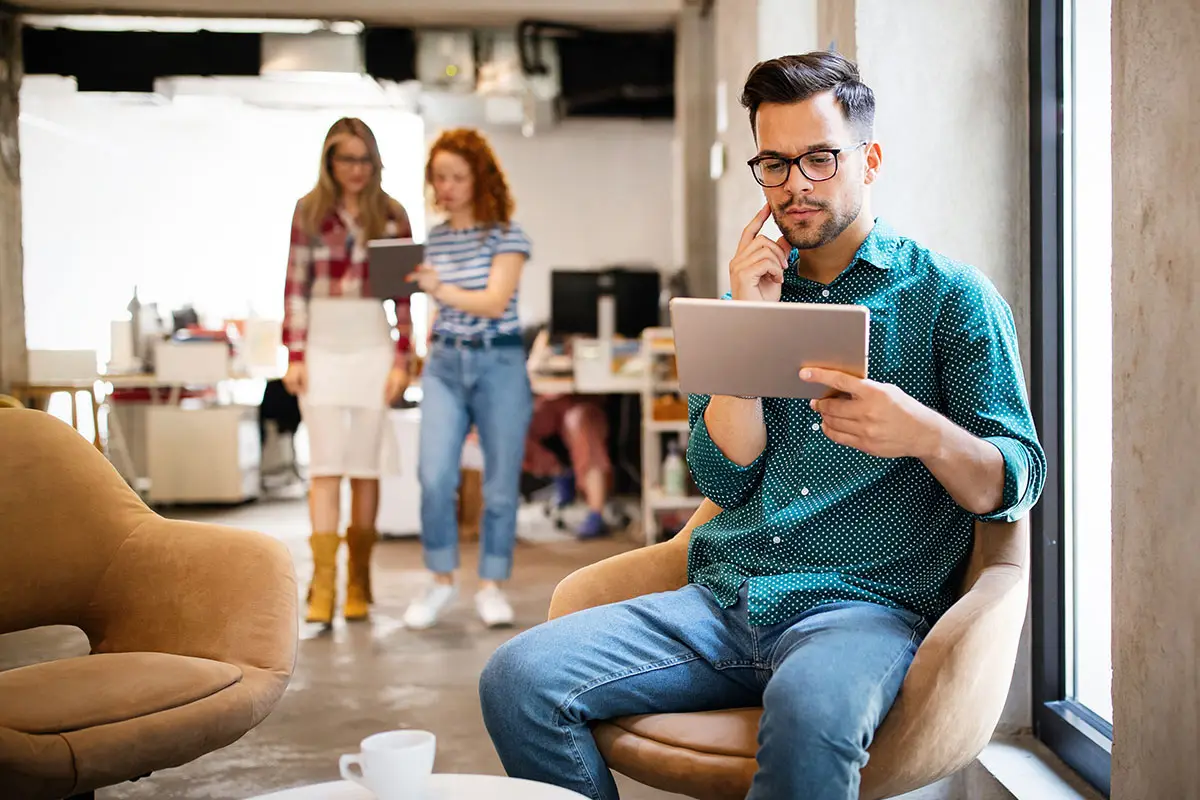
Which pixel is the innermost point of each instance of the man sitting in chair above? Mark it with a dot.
(846, 522)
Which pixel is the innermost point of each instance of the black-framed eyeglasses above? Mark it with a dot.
(354, 161)
(816, 165)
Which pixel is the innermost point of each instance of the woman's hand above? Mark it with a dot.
(397, 382)
(295, 380)
(426, 278)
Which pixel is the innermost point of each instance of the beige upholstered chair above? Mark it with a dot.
(192, 627)
(947, 710)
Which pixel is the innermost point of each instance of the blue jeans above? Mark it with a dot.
(488, 388)
(825, 680)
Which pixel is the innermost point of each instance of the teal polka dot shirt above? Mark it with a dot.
(813, 522)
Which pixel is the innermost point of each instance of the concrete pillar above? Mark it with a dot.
(12, 298)
(748, 31)
(837, 26)
(1156, 398)
(696, 125)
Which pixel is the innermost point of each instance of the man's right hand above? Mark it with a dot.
(295, 380)
(756, 271)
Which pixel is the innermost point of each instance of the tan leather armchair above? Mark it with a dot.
(946, 712)
(193, 628)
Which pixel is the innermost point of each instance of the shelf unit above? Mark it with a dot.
(658, 348)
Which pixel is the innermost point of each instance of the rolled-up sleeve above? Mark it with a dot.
(983, 388)
(725, 482)
(297, 287)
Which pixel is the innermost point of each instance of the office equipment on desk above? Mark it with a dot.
(61, 366)
(196, 362)
(605, 303)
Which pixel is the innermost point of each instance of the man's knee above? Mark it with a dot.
(516, 677)
(818, 718)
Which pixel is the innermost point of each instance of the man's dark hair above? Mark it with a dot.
(794, 79)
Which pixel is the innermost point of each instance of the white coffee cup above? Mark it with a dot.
(395, 765)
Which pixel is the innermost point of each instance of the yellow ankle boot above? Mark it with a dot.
(322, 592)
(359, 542)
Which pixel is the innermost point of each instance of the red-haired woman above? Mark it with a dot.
(475, 373)
(342, 362)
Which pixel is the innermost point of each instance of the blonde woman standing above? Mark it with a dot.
(342, 361)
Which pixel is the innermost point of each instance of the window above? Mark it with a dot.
(1072, 255)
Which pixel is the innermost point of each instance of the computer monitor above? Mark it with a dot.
(575, 298)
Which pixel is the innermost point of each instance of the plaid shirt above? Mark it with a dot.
(333, 264)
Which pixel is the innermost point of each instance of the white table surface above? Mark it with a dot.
(441, 787)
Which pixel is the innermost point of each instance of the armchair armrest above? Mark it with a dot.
(954, 693)
(658, 568)
(199, 590)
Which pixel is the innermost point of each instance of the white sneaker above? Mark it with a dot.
(493, 607)
(424, 611)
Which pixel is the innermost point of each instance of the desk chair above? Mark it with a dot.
(946, 712)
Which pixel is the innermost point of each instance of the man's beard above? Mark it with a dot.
(809, 235)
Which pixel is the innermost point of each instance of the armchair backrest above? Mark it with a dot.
(64, 513)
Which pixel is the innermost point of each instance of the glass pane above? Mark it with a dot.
(1089, 396)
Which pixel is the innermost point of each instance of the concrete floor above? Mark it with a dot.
(360, 679)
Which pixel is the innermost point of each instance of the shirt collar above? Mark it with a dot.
(878, 250)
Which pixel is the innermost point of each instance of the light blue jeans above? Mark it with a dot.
(825, 680)
(488, 388)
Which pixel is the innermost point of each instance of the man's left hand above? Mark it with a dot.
(877, 418)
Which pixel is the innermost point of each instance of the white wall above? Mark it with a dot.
(192, 202)
(592, 193)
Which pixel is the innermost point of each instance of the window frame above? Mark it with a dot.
(1077, 735)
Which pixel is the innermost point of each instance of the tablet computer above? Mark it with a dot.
(389, 263)
(755, 349)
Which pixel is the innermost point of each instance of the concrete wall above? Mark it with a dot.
(695, 132)
(12, 298)
(1156, 398)
(950, 81)
(738, 196)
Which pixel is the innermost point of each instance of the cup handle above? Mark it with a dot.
(345, 764)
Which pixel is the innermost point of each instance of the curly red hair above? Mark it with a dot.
(493, 201)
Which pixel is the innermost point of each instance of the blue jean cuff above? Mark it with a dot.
(442, 560)
(495, 568)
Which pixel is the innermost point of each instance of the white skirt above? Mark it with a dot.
(350, 352)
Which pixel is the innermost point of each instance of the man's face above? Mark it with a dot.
(812, 213)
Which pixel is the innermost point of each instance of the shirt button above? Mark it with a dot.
(824, 293)
(804, 491)
(777, 540)
(816, 426)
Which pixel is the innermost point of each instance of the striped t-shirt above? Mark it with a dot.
(464, 258)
